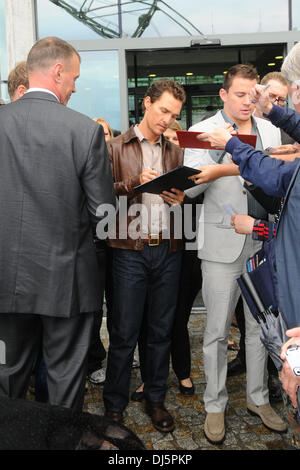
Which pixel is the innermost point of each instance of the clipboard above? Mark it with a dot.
(188, 139)
(176, 178)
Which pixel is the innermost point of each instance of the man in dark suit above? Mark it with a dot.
(54, 173)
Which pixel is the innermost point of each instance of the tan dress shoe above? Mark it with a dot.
(214, 428)
(268, 416)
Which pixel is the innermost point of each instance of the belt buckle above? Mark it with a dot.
(153, 239)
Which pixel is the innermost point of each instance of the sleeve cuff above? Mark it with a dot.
(275, 114)
(232, 144)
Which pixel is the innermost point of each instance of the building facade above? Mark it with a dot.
(125, 45)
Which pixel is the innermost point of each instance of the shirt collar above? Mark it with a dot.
(254, 129)
(141, 137)
(44, 90)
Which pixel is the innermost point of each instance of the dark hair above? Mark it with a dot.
(47, 51)
(247, 71)
(160, 86)
(17, 76)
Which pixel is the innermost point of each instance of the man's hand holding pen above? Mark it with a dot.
(260, 97)
(147, 175)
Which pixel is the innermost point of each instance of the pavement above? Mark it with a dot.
(243, 431)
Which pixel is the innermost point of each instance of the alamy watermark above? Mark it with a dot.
(178, 220)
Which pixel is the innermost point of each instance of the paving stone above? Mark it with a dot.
(244, 432)
(187, 444)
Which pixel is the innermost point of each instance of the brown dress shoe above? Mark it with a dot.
(116, 416)
(161, 418)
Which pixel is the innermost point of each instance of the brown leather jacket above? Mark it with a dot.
(126, 160)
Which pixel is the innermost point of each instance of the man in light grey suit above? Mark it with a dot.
(224, 254)
(54, 173)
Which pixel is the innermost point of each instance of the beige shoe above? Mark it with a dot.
(268, 416)
(214, 428)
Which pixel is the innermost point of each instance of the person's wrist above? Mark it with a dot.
(267, 109)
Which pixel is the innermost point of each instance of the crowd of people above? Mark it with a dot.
(58, 167)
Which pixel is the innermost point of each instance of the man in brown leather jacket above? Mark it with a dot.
(147, 256)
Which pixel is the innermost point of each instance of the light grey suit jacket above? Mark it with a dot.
(54, 173)
(217, 240)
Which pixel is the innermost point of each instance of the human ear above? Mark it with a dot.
(57, 70)
(223, 95)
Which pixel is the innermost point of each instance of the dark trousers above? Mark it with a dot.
(97, 352)
(152, 273)
(65, 343)
(189, 286)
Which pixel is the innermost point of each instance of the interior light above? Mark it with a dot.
(271, 64)
(189, 74)
(279, 57)
(225, 71)
(152, 75)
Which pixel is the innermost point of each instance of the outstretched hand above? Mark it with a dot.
(218, 137)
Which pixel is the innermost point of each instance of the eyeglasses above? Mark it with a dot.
(281, 101)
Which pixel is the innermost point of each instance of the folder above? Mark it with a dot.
(188, 139)
(176, 178)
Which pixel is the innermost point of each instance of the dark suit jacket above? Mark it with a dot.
(54, 172)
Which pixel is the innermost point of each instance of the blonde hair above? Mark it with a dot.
(274, 76)
(175, 126)
(103, 121)
(17, 76)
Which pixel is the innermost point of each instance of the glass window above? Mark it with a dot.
(192, 66)
(199, 71)
(98, 92)
(78, 19)
(54, 20)
(3, 54)
(295, 14)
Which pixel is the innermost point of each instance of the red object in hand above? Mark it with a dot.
(188, 139)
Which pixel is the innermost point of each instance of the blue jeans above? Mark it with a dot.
(153, 273)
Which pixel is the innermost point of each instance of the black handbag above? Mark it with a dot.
(261, 270)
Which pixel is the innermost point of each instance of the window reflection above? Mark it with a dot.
(98, 92)
(77, 19)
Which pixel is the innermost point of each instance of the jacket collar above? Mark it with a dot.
(41, 95)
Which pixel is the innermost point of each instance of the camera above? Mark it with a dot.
(293, 358)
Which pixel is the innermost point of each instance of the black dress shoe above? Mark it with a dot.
(275, 391)
(187, 391)
(137, 396)
(116, 416)
(235, 367)
(161, 418)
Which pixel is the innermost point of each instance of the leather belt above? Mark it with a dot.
(154, 239)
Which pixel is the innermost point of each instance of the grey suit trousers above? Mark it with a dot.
(65, 347)
(220, 292)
